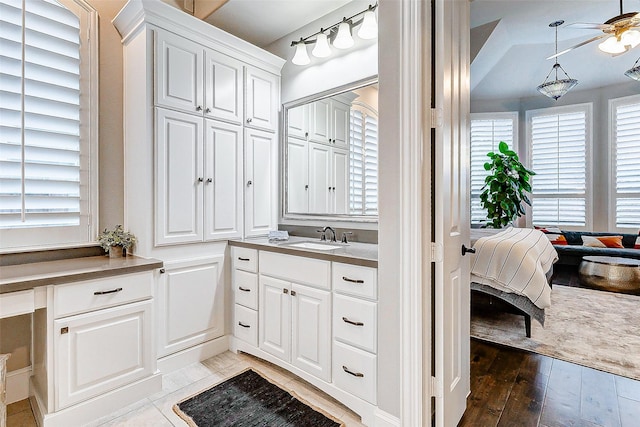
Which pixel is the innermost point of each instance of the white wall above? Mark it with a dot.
(601, 157)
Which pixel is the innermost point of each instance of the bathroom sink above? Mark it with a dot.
(314, 246)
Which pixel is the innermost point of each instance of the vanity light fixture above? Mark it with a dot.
(634, 72)
(339, 34)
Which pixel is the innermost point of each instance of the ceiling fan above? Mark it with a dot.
(621, 33)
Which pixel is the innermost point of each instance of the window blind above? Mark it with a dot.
(40, 158)
(363, 164)
(626, 140)
(558, 144)
(486, 134)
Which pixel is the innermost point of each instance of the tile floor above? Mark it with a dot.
(156, 410)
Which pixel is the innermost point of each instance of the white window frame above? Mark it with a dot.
(611, 173)
(21, 239)
(514, 116)
(587, 108)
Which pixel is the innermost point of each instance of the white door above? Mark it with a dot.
(179, 177)
(223, 87)
(319, 178)
(261, 102)
(223, 159)
(320, 121)
(340, 181)
(260, 182)
(298, 122)
(311, 330)
(100, 351)
(190, 303)
(297, 176)
(452, 211)
(275, 317)
(179, 73)
(340, 121)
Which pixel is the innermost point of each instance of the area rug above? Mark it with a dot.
(592, 328)
(249, 400)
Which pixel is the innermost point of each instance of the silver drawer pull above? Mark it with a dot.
(244, 259)
(244, 289)
(112, 291)
(351, 322)
(346, 279)
(243, 325)
(355, 374)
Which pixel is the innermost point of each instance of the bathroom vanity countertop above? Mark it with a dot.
(365, 254)
(28, 276)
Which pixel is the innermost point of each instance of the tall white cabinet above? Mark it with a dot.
(201, 130)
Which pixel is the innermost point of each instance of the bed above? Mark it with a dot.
(511, 272)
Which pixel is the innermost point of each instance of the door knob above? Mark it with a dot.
(466, 249)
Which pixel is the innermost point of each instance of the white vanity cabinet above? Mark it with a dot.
(328, 179)
(245, 294)
(298, 122)
(328, 121)
(297, 175)
(261, 183)
(261, 100)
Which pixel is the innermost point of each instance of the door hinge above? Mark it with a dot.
(437, 252)
(436, 118)
(435, 388)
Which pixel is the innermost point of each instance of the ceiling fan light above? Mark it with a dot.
(369, 28)
(322, 49)
(556, 88)
(343, 39)
(612, 46)
(630, 38)
(301, 56)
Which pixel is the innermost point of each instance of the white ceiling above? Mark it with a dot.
(262, 22)
(511, 63)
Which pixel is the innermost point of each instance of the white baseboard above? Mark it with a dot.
(385, 419)
(18, 385)
(193, 354)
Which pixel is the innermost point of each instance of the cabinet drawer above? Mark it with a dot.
(355, 280)
(16, 303)
(101, 293)
(246, 325)
(245, 288)
(245, 259)
(306, 271)
(354, 371)
(354, 322)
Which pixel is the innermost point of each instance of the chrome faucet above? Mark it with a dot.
(333, 233)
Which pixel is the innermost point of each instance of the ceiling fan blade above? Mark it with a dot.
(592, 39)
(589, 26)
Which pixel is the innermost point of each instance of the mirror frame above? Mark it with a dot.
(284, 214)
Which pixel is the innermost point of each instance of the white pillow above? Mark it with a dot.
(592, 242)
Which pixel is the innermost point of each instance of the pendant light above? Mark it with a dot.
(634, 71)
(558, 87)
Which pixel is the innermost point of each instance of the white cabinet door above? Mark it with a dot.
(179, 73)
(320, 121)
(223, 87)
(298, 122)
(311, 326)
(223, 159)
(319, 178)
(340, 124)
(179, 177)
(101, 350)
(297, 176)
(260, 182)
(190, 304)
(340, 181)
(262, 99)
(275, 317)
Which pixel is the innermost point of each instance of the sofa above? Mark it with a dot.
(571, 252)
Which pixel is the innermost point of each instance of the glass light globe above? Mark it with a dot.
(343, 39)
(301, 56)
(322, 49)
(612, 46)
(369, 27)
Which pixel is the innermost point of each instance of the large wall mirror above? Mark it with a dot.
(331, 155)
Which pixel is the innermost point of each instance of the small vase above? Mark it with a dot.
(116, 252)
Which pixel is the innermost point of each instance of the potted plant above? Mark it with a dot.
(116, 242)
(505, 186)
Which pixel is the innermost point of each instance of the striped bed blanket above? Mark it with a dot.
(515, 261)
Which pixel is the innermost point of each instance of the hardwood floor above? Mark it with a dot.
(511, 387)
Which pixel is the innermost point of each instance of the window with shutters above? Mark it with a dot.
(487, 130)
(624, 116)
(363, 162)
(48, 127)
(559, 141)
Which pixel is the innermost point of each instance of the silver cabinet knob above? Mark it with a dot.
(198, 108)
(208, 110)
(209, 180)
(249, 120)
(200, 179)
(249, 183)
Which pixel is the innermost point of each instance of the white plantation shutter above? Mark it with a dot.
(626, 150)
(559, 144)
(363, 164)
(44, 164)
(487, 130)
